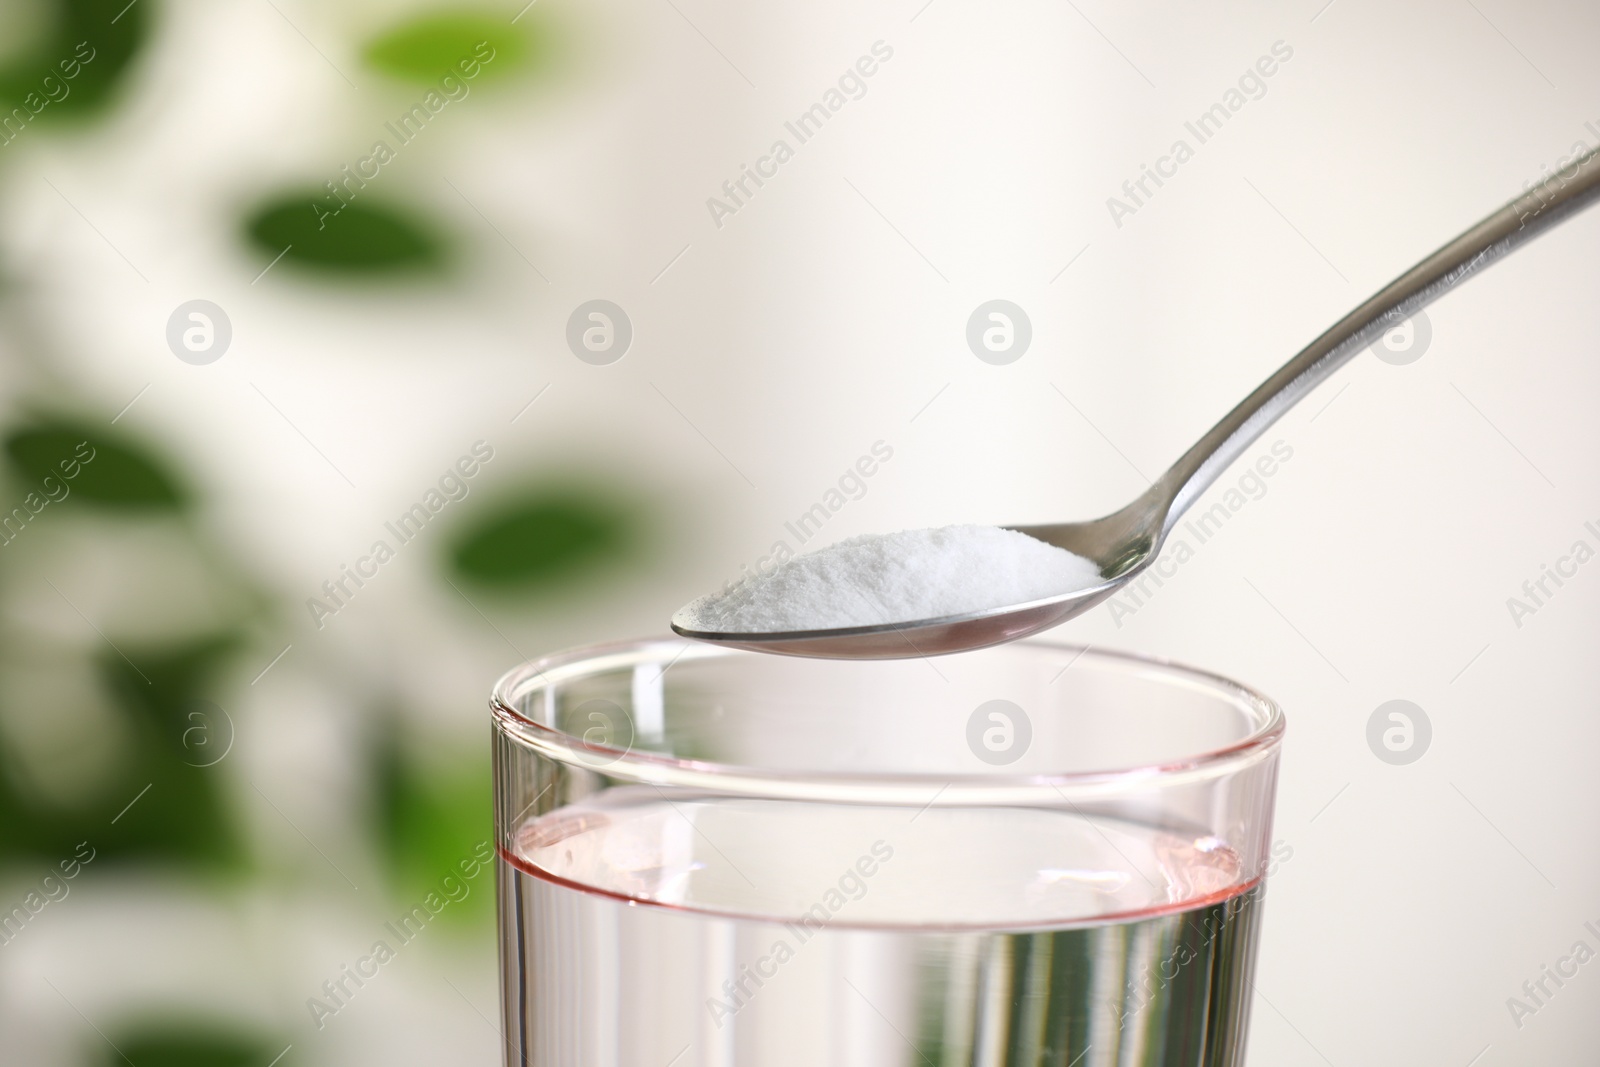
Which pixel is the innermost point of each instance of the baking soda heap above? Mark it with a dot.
(891, 579)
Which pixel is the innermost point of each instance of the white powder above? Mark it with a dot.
(880, 579)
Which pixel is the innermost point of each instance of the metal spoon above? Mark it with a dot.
(1126, 541)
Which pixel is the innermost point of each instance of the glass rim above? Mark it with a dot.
(920, 789)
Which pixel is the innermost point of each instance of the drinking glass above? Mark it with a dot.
(1034, 854)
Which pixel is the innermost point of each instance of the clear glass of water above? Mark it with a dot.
(1034, 854)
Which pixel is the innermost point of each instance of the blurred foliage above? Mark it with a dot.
(426, 48)
(432, 819)
(182, 817)
(364, 238)
(112, 29)
(120, 474)
(431, 812)
(180, 1043)
(545, 538)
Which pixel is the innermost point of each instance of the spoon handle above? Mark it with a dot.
(1568, 191)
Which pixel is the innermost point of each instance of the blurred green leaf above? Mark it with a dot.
(189, 1044)
(112, 471)
(427, 48)
(542, 539)
(108, 33)
(431, 820)
(158, 685)
(182, 816)
(358, 237)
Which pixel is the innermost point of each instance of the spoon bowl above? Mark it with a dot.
(1125, 542)
(1122, 544)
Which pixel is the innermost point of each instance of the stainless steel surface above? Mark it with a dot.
(1126, 541)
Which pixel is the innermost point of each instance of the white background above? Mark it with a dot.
(830, 312)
